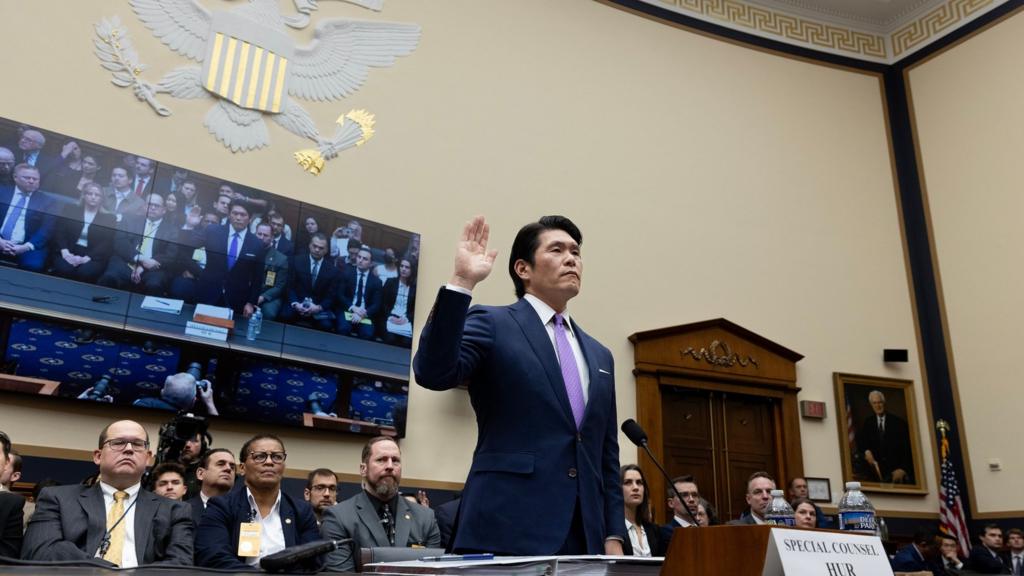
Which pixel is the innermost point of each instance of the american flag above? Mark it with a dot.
(951, 518)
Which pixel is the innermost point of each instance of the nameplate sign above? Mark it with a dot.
(820, 553)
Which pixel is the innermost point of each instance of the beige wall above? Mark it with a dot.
(969, 121)
(709, 179)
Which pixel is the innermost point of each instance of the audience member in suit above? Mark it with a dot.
(275, 274)
(284, 521)
(29, 150)
(445, 514)
(12, 473)
(216, 477)
(70, 522)
(234, 264)
(27, 222)
(168, 479)
(1015, 555)
(142, 183)
(798, 489)
(985, 557)
(399, 304)
(189, 198)
(884, 439)
(643, 537)
(12, 506)
(119, 200)
(84, 238)
(360, 295)
(280, 240)
(918, 556)
(949, 561)
(7, 163)
(192, 257)
(76, 170)
(377, 516)
(321, 491)
(759, 496)
(680, 518)
(145, 253)
(312, 277)
(517, 500)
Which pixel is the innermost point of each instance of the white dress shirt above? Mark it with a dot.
(271, 532)
(638, 540)
(128, 557)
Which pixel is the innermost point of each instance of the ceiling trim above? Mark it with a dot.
(799, 29)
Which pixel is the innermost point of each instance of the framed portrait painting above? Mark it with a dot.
(878, 433)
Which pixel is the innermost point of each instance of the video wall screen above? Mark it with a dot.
(94, 234)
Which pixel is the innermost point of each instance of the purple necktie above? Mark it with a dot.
(12, 218)
(570, 372)
(233, 251)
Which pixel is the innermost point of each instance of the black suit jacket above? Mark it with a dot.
(70, 521)
(389, 293)
(217, 536)
(372, 292)
(12, 510)
(240, 285)
(196, 503)
(654, 540)
(285, 246)
(983, 562)
(891, 451)
(100, 237)
(128, 242)
(300, 283)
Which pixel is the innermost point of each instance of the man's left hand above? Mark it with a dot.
(613, 548)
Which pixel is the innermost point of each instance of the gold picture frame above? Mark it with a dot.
(878, 433)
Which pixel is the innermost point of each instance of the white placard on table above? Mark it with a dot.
(793, 552)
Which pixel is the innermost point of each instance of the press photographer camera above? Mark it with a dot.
(102, 391)
(180, 391)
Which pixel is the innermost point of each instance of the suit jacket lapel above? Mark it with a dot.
(537, 335)
(96, 513)
(145, 511)
(403, 522)
(589, 354)
(368, 516)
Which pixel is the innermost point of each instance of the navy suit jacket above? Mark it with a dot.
(39, 216)
(982, 561)
(217, 535)
(531, 466)
(300, 282)
(908, 559)
(240, 284)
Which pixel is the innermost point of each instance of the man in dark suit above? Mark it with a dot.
(360, 295)
(759, 496)
(445, 516)
(12, 507)
(691, 499)
(216, 477)
(142, 183)
(985, 557)
(280, 242)
(282, 520)
(234, 264)
(545, 472)
(275, 274)
(145, 252)
(798, 489)
(949, 561)
(315, 278)
(918, 556)
(27, 220)
(378, 516)
(884, 439)
(119, 200)
(74, 522)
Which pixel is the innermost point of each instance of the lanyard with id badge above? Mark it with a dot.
(249, 537)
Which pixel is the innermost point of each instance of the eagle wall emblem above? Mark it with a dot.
(251, 67)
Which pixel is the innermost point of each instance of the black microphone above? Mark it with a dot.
(637, 436)
(291, 556)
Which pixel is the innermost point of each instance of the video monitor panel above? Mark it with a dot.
(106, 236)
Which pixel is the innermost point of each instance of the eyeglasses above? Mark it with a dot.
(325, 488)
(261, 457)
(119, 444)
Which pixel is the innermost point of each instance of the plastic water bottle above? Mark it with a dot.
(779, 512)
(257, 316)
(250, 330)
(855, 511)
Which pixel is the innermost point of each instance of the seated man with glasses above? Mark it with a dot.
(115, 519)
(687, 488)
(255, 519)
(321, 491)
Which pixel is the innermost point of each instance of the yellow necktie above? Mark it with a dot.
(116, 548)
(147, 241)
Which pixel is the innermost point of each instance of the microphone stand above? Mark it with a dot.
(693, 519)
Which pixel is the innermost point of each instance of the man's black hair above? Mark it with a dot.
(528, 240)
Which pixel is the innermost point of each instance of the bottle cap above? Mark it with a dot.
(853, 485)
(777, 493)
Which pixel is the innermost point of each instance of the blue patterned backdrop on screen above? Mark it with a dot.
(272, 391)
(48, 350)
(378, 401)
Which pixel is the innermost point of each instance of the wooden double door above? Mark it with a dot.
(718, 402)
(719, 438)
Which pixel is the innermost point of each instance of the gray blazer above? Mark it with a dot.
(356, 518)
(69, 523)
